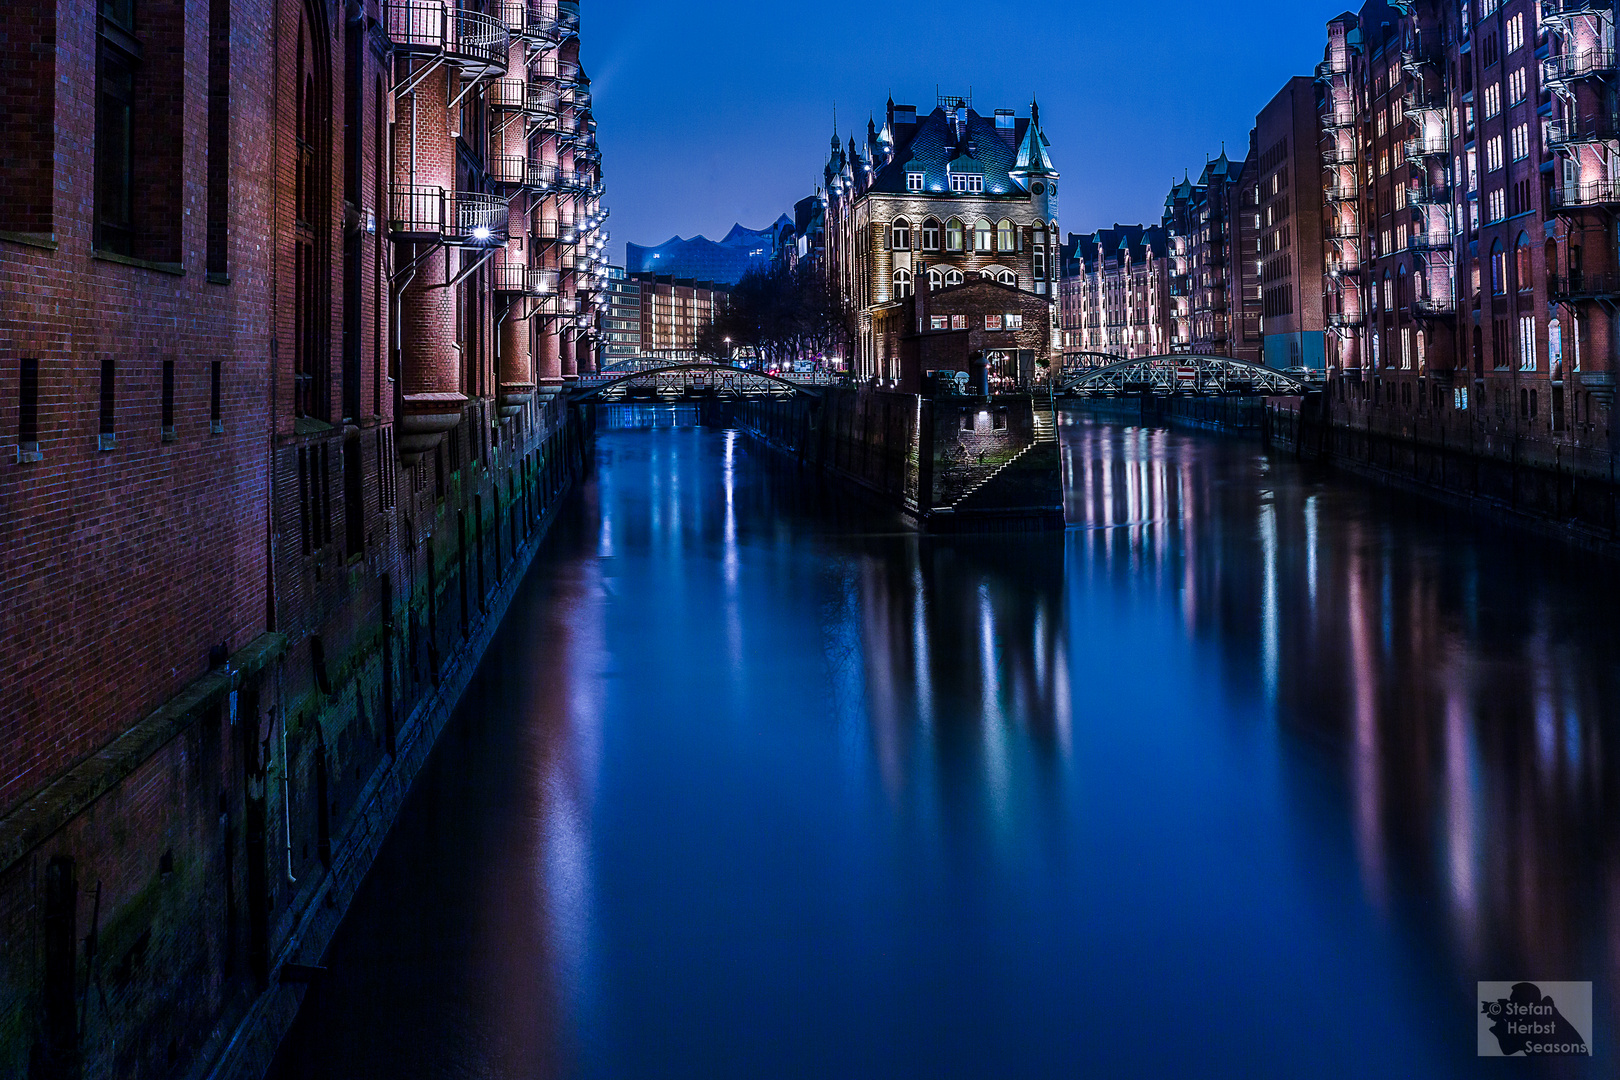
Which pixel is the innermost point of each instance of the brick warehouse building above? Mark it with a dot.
(930, 201)
(286, 288)
(1471, 280)
(1114, 299)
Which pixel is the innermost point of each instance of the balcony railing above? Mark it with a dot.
(1434, 307)
(525, 280)
(565, 72)
(458, 218)
(1342, 230)
(514, 13)
(1561, 10)
(1428, 146)
(541, 23)
(549, 230)
(1332, 69)
(1584, 287)
(1427, 196)
(1338, 119)
(1582, 130)
(475, 42)
(1569, 67)
(568, 17)
(1425, 241)
(512, 171)
(1599, 193)
(1342, 193)
(1413, 61)
(1339, 155)
(1419, 102)
(1343, 320)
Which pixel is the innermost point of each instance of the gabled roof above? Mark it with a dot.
(933, 146)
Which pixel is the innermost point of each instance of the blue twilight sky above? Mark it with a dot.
(721, 110)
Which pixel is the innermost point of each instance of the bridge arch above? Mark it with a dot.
(677, 377)
(1178, 373)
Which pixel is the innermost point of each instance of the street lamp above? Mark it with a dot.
(728, 349)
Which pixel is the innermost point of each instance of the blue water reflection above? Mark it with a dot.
(1253, 773)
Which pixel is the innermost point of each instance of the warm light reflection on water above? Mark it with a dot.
(1252, 773)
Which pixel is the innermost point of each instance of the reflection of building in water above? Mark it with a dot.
(1457, 680)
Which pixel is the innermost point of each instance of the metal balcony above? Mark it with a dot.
(515, 172)
(514, 13)
(519, 95)
(1338, 119)
(1344, 320)
(1434, 307)
(1597, 194)
(568, 17)
(1572, 67)
(564, 72)
(1413, 61)
(1428, 146)
(456, 218)
(524, 280)
(472, 41)
(1564, 10)
(1428, 242)
(541, 24)
(550, 231)
(1429, 197)
(1582, 131)
(1339, 155)
(1331, 69)
(1419, 102)
(1342, 193)
(1342, 230)
(1584, 287)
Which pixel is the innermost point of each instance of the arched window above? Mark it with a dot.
(1498, 269)
(1040, 234)
(1521, 263)
(1004, 235)
(1400, 290)
(953, 277)
(900, 235)
(902, 283)
(930, 235)
(1009, 278)
(936, 278)
(1389, 299)
(982, 236)
(955, 235)
(989, 273)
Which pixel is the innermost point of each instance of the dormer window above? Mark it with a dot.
(914, 181)
(971, 182)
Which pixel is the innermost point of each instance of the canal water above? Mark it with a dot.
(1255, 772)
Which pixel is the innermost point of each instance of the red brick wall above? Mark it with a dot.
(119, 569)
(27, 97)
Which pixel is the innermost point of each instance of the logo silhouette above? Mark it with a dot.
(1528, 1022)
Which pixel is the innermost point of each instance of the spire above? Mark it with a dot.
(1034, 112)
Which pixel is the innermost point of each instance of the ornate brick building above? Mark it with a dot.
(932, 201)
(285, 288)
(1213, 240)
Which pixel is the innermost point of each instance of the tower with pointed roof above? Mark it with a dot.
(934, 201)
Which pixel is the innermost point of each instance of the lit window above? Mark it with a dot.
(958, 322)
(930, 235)
(992, 322)
(914, 181)
(982, 236)
(901, 234)
(955, 235)
(1493, 100)
(1004, 235)
(1015, 321)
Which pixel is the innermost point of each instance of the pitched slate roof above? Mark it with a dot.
(933, 147)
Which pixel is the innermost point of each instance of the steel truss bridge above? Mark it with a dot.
(1182, 374)
(696, 381)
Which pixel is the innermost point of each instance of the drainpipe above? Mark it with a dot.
(286, 801)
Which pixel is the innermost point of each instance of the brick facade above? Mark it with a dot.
(270, 470)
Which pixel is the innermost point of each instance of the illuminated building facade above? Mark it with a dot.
(1115, 295)
(932, 201)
